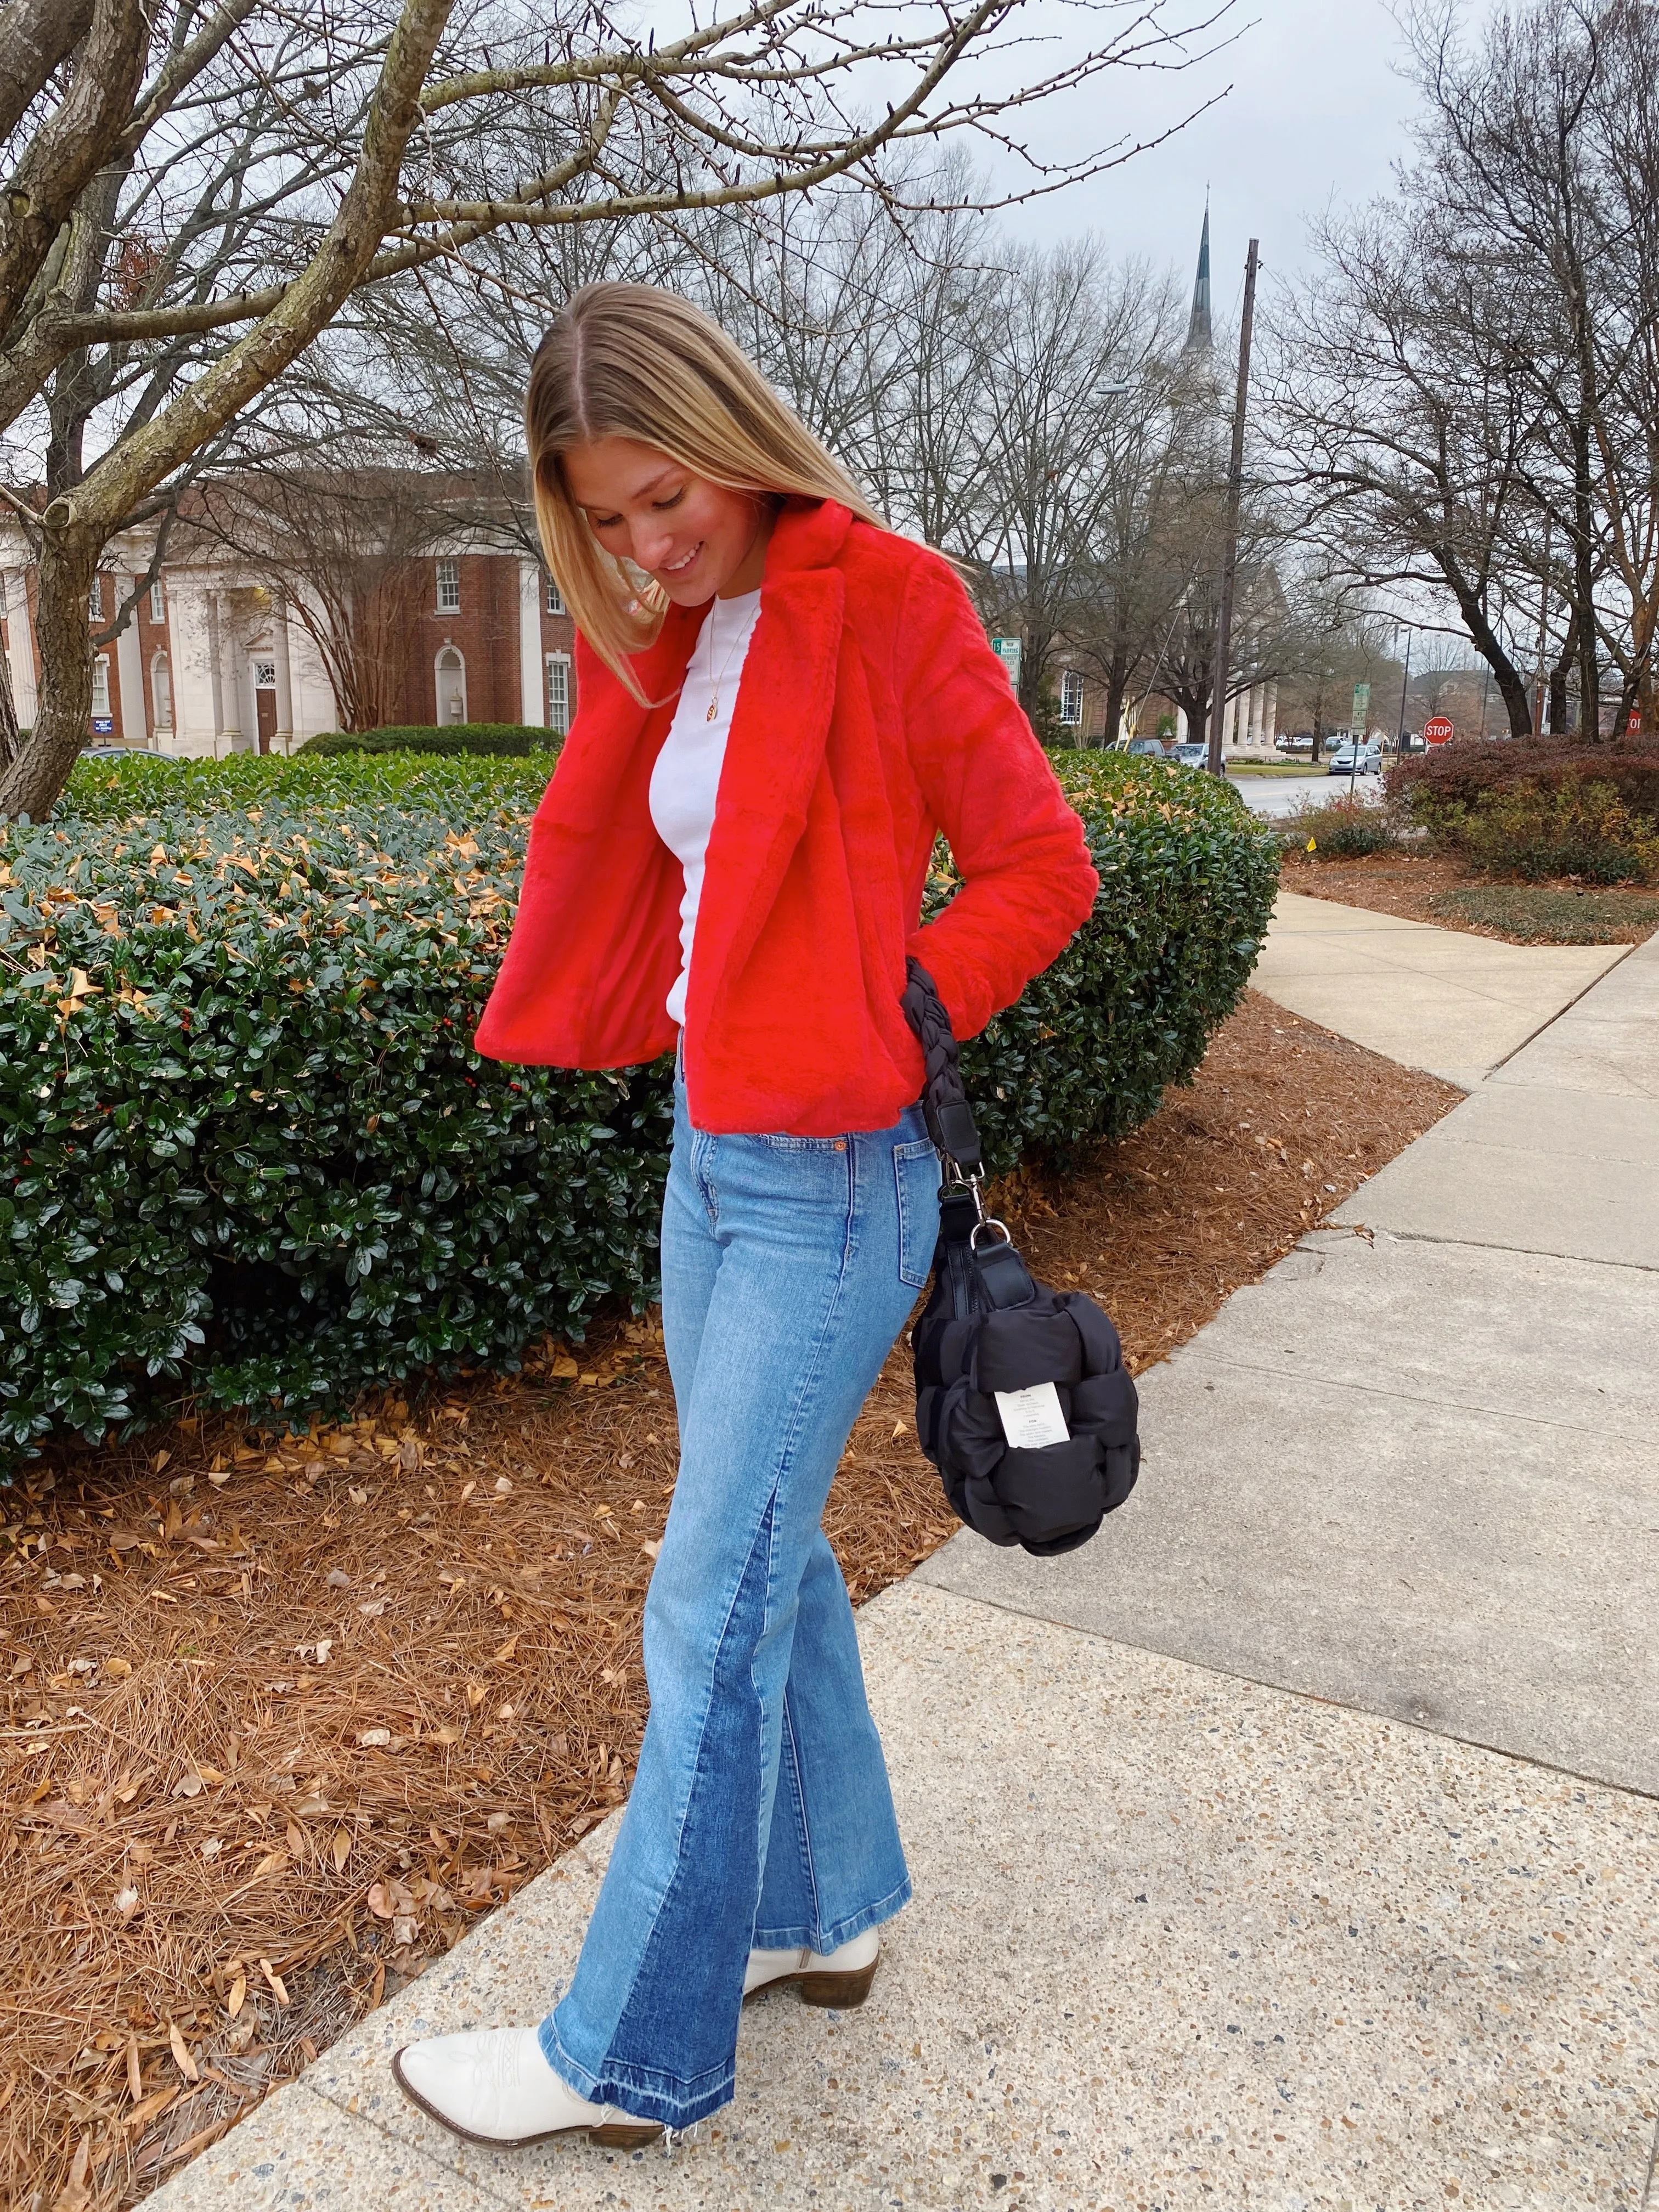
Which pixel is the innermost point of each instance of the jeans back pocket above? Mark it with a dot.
(916, 1172)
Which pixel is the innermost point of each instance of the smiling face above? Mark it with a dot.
(698, 540)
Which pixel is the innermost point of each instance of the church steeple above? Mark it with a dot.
(1198, 329)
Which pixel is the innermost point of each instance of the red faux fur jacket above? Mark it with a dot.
(872, 713)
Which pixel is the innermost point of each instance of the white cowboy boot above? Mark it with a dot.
(840, 1978)
(495, 2087)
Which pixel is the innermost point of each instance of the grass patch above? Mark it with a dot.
(1274, 768)
(1538, 914)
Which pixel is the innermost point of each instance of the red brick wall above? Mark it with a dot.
(485, 632)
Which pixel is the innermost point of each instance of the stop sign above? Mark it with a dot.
(1438, 730)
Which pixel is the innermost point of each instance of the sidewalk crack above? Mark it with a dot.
(1411, 1397)
(1491, 1244)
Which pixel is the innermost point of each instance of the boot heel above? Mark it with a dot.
(842, 1992)
(620, 2135)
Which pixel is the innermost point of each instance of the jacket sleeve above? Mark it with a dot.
(1028, 884)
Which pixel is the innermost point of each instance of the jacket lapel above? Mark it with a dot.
(774, 752)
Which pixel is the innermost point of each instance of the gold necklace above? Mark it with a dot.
(716, 681)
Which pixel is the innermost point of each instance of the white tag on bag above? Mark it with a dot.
(1033, 1418)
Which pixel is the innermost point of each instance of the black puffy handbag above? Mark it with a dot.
(1022, 1402)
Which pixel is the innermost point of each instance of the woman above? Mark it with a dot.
(781, 704)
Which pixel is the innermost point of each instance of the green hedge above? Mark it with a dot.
(492, 740)
(248, 1157)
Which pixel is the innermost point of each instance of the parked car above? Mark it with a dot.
(1190, 755)
(1301, 743)
(1147, 747)
(1350, 759)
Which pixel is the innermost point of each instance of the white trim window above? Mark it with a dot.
(554, 597)
(558, 692)
(158, 602)
(161, 690)
(1071, 699)
(449, 587)
(95, 603)
(5, 604)
(101, 706)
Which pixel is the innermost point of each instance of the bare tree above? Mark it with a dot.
(194, 194)
(340, 543)
(1333, 644)
(1066, 333)
(1406, 434)
(1470, 392)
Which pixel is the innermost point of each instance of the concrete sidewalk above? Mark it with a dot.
(1293, 1846)
(1436, 999)
(1178, 1941)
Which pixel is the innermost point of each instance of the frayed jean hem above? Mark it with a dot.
(825, 1940)
(638, 2093)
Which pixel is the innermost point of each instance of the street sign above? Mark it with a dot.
(1007, 651)
(1633, 721)
(103, 725)
(1361, 712)
(1438, 731)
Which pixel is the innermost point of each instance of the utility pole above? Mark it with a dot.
(1405, 694)
(1543, 631)
(1224, 641)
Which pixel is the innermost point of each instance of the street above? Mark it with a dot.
(1276, 796)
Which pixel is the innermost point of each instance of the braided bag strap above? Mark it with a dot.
(945, 1099)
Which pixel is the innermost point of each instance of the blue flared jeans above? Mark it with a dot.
(760, 1814)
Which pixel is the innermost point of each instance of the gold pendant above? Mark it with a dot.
(713, 709)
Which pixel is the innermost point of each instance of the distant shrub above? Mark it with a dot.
(112, 790)
(1428, 785)
(1567, 827)
(1339, 832)
(495, 740)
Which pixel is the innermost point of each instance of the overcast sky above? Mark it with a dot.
(1316, 110)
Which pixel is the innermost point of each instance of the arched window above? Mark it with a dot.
(452, 686)
(1071, 699)
(161, 691)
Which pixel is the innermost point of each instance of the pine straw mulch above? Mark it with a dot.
(284, 1716)
(1424, 887)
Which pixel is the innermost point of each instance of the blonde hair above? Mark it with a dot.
(633, 361)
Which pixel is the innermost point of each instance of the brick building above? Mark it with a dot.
(214, 658)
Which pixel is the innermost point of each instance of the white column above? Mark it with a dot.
(283, 737)
(1269, 713)
(1229, 722)
(21, 631)
(130, 673)
(1257, 701)
(230, 687)
(532, 683)
(193, 664)
(1181, 726)
(315, 707)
